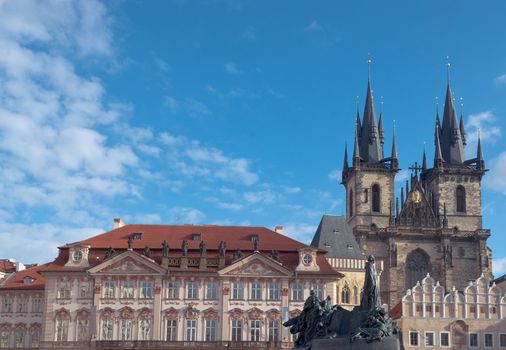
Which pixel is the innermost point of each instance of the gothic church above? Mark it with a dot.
(436, 226)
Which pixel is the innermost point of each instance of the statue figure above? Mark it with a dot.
(377, 325)
(237, 255)
(275, 255)
(222, 249)
(110, 253)
(448, 255)
(165, 249)
(184, 247)
(130, 242)
(146, 252)
(371, 296)
(203, 248)
(256, 242)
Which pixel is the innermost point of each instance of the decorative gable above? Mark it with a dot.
(256, 265)
(128, 263)
(307, 260)
(416, 209)
(78, 255)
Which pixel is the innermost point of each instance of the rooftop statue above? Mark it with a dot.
(165, 249)
(184, 247)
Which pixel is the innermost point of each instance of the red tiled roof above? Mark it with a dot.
(396, 311)
(7, 266)
(17, 280)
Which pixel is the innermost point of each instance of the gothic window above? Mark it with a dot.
(461, 199)
(19, 337)
(417, 267)
(376, 198)
(34, 337)
(355, 295)
(345, 295)
(350, 203)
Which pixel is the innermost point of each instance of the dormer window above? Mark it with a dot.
(196, 237)
(137, 236)
(253, 238)
(77, 255)
(349, 246)
(28, 280)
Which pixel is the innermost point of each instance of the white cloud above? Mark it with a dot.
(230, 206)
(313, 26)
(300, 231)
(291, 190)
(266, 196)
(335, 175)
(499, 266)
(190, 106)
(183, 215)
(402, 175)
(501, 79)
(496, 178)
(231, 68)
(484, 123)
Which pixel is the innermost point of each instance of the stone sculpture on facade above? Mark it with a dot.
(184, 247)
(222, 248)
(165, 249)
(110, 253)
(332, 326)
(203, 249)
(146, 252)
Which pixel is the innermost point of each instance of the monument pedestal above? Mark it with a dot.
(387, 343)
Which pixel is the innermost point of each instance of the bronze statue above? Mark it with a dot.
(371, 296)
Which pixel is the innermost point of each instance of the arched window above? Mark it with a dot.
(345, 295)
(350, 203)
(376, 198)
(461, 199)
(417, 267)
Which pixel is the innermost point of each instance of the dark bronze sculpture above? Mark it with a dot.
(320, 320)
(165, 249)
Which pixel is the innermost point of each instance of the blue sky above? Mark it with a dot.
(226, 112)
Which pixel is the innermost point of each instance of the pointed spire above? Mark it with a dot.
(452, 147)
(345, 161)
(394, 164)
(462, 130)
(380, 123)
(424, 160)
(407, 189)
(370, 148)
(438, 157)
(356, 150)
(358, 123)
(480, 162)
(402, 196)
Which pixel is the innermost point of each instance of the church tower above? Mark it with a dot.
(369, 181)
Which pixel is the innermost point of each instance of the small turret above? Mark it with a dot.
(345, 161)
(462, 130)
(356, 150)
(480, 162)
(438, 157)
(394, 163)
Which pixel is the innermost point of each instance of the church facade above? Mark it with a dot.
(436, 225)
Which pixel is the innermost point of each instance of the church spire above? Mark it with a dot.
(424, 160)
(345, 161)
(358, 123)
(462, 130)
(394, 160)
(370, 148)
(356, 150)
(452, 147)
(480, 162)
(438, 157)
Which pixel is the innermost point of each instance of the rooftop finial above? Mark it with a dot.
(357, 102)
(381, 104)
(437, 104)
(448, 66)
(461, 105)
(369, 63)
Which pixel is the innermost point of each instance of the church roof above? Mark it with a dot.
(334, 235)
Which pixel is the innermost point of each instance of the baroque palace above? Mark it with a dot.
(157, 286)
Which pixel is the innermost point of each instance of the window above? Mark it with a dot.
(212, 291)
(37, 305)
(376, 198)
(106, 329)
(255, 330)
(109, 289)
(145, 330)
(4, 339)
(273, 330)
(236, 330)
(82, 330)
(19, 338)
(350, 203)
(502, 340)
(22, 305)
(191, 330)
(172, 290)
(274, 291)
(413, 338)
(318, 290)
(429, 339)
(297, 292)
(34, 338)
(473, 340)
(461, 199)
(489, 340)
(62, 328)
(171, 330)
(126, 329)
(256, 291)
(127, 290)
(237, 291)
(137, 236)
(444, 339)
(192, 290)
(7, 305)
(63, 290)
(345, 295)
(211, 330)
(146, 290)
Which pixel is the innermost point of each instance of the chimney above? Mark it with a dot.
(118, 223)
(278, 229)
(20, 266)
